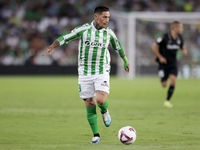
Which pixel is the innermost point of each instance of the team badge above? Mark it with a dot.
(73, 30)
(159, 39)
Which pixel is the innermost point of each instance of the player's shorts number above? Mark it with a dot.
(79, 88)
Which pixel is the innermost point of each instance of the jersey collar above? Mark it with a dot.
(93, 27)
(171, 38)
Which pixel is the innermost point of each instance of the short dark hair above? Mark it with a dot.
(100, 9)
(175, 23)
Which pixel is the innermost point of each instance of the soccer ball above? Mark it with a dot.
(127, 135)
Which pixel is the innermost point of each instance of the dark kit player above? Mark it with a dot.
(165, 49)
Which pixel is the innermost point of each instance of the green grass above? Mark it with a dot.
(45, 112)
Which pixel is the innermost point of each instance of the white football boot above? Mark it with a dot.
(95, 139)
(106, 118)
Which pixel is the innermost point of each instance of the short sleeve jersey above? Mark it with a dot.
(93, 56)
(168, 47)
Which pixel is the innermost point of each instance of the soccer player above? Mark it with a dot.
(165, 49)
(94, 64)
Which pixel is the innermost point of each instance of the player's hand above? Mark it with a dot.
(48, 50)
(185, 52)
(163, 60)
(127, 68)
(126, 63)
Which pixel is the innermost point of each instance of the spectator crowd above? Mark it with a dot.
(27, 27)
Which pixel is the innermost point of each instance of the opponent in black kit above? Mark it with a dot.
(165, 49)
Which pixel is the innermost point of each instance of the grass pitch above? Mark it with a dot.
(45, 112)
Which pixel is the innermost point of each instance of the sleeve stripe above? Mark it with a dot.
(62, 42)
(71, 35)
(115, 41)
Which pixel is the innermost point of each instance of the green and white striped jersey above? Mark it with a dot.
(93, 56)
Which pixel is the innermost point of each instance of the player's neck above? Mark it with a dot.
(174, 34)
(97, 26)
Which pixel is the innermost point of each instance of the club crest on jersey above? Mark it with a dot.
(73, 30)
(159, 39)
(95, 44)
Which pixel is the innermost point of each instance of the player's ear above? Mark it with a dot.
(96, 16)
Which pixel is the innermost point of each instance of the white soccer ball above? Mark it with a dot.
(127, 135)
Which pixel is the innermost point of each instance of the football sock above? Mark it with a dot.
(170, 92)
(97, 135)
(103, 107)
(92, 119)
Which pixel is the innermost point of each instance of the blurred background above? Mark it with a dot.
(27, 27)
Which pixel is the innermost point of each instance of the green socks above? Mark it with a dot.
(92, 116)
(92, 119)
(103, 107)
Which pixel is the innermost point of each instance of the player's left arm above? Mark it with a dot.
(184, 50)
(182, 46)
(118, 47)
(126, 63)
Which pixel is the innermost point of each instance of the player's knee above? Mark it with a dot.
(101, 97)
(100, 101)
(173, 83)
(164, 84)
(89, 102)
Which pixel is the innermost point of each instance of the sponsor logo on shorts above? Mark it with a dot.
(105, 84)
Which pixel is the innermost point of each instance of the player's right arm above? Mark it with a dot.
(50, 48)
(155, 49)
(72, 35)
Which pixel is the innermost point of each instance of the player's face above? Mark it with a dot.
(179, 28)
(103, 19)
